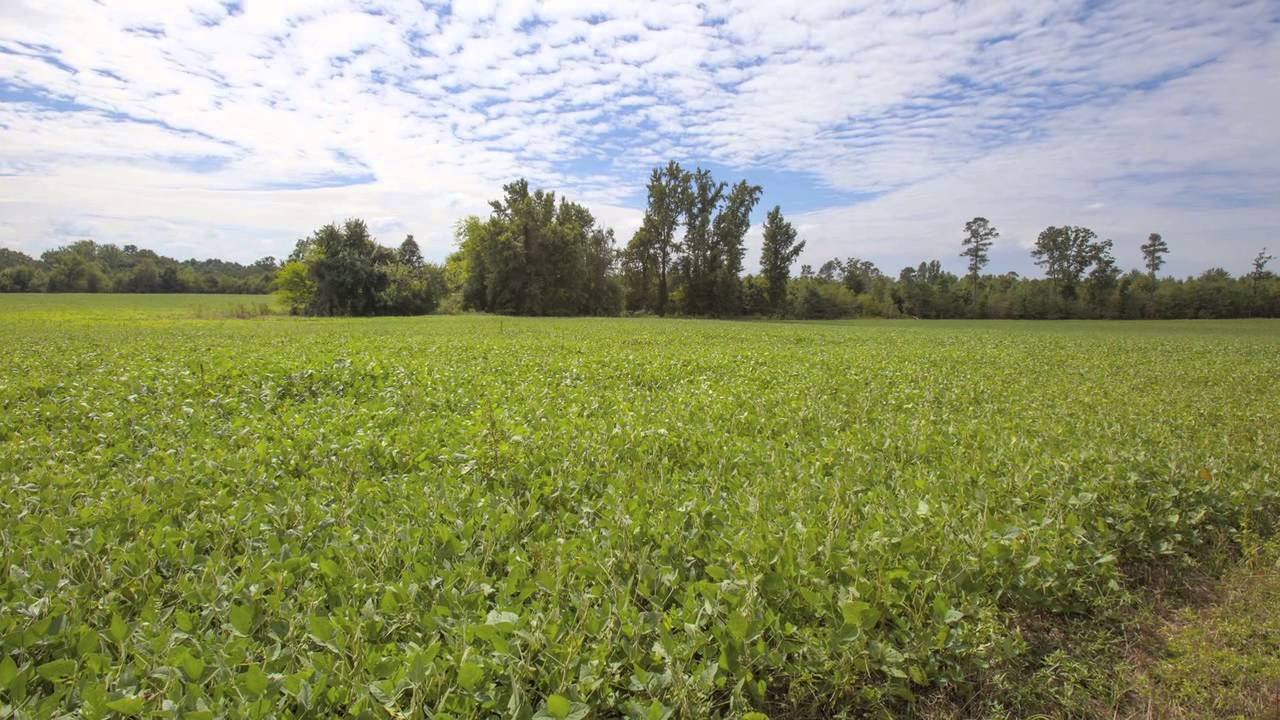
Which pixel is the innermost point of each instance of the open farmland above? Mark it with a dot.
(459, 516)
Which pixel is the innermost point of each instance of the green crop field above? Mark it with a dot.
(205, 516)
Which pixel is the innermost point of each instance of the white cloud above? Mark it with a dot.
(200, 128)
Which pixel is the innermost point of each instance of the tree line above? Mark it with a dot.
(534, 256)
(539, 254)
(86, 266)
(1082, 281)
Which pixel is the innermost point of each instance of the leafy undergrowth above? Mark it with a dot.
(474, 516)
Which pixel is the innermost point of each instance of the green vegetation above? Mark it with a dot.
(534, 256)
(1223, 660)
(343, 271)
(477, 515)
(89, 267)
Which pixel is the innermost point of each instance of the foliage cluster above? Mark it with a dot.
(699, 270)
(468, 516)
(533, 256)
(341, 270)
(856, 288)
(86, 266)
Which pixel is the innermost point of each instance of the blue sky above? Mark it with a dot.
(206, 128)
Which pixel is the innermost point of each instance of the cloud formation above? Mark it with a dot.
(206, 128)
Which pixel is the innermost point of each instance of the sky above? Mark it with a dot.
(230, 129)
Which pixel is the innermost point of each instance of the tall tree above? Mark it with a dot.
(1153, 252)
(640, 271)
(729, 233)
(667, 190)
(1260, 264)
(778, 254)
(533, 256)
(409, 253)
(859, 275)
(1065, 253)
(700, 258)
(1257, 278)
(830, 270)
(1103, 275)
(979, 236)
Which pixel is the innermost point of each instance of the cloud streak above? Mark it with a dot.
(229, 129)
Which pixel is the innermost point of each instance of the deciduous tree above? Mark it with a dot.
(776, 257)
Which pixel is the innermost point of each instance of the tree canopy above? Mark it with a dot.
(341, 270)
(534, 256)
(87, 266)
(539, 254)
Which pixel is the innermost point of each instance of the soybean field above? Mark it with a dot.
(211, 513)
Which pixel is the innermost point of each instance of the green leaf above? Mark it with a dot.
(193, 667)
(8, 671)
(321, 627)
(559, 706)
(859, 613)
(501, 618)
(255, 681)
(119, 630)
(329, 567)
(55, 670)
(128, 705)
(242, 619)
(469, 675)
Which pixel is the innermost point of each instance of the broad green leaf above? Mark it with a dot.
(119, 630)
(242, 618)
(8, 671)
(255, 681)
(55, 670)
(128, 705)
(469, 675)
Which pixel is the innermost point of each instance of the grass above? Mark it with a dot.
(91, 307)
(462, 516)
(1219, 658)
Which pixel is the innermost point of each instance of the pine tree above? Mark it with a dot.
(1153, 252)
(980, 234)
(409, 253)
